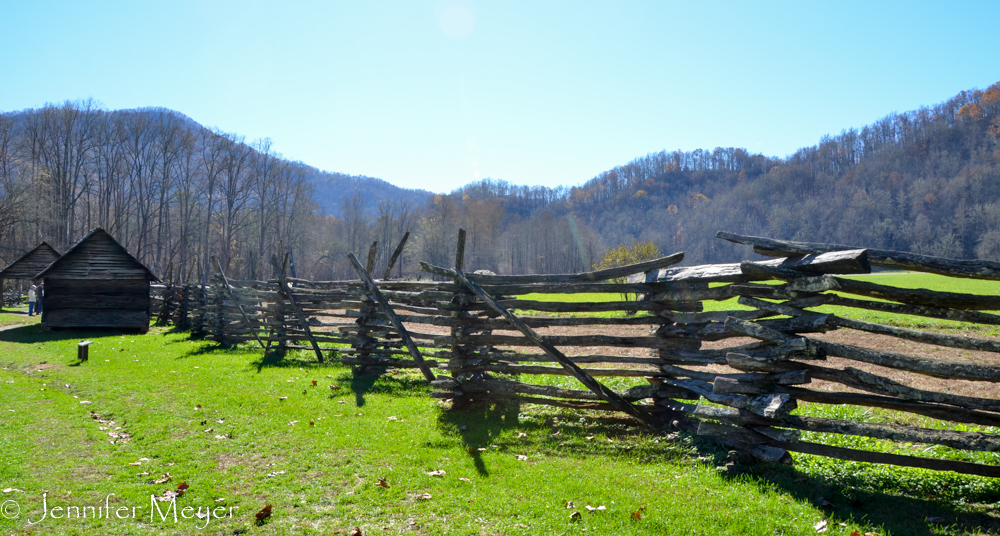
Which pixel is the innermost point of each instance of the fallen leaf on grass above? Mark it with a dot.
(463, 479)
(521, 434)
(439, 472)
(392, 418)
(169, 495)
(522, 457)
(341, 402)
(590, 437)
(282, 398)
(13, 490)
(144, 473)
(383, 483)
(575, 516)
(593, 509)
(821, 526)
(197, 407)
(135, 463)
(263, 514)
(220, 421)
(163, 479)
(203, 423)
(312, 423)
(291, 423)
(335, 387)
(638, 513)
(221, 437)
(355, 532)
(276, 473)
(855, 533)
(424, 496)
(314, 383)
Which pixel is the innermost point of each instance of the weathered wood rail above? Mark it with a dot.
(476, 339)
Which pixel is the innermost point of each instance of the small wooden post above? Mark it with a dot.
(82, 350)
(395, 255)
(460, 251)
(372, 254)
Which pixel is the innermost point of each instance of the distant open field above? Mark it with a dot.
(897, 279)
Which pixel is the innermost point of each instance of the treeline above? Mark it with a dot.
(926, 181)
(172, 192)
(176, 194)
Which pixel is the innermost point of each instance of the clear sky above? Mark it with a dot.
(435, 94)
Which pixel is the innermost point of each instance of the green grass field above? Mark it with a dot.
(243, 432)
(17, 316)
(896, 279)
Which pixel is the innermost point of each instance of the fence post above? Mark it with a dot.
(369, 320)
(462, 354)
(674, 345)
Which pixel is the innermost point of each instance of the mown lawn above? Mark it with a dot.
(895, 279)
(243, 432)
(317, 455)
(17, 316)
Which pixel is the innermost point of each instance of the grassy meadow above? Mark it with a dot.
(330, 452)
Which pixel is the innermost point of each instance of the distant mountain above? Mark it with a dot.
(926, 181)
(330, 187)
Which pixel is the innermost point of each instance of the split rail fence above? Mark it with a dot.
(476, 337)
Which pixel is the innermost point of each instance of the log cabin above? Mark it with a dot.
(29, 264)
(96, 284)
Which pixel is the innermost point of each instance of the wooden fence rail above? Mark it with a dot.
(476, 339)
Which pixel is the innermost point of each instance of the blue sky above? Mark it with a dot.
(434, 94)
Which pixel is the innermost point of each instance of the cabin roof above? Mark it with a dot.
(30, 263)
(97, 255)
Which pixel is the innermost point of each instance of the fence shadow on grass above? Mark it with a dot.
(382, 383)
(33, 334)
(490, 426)
(895, 513)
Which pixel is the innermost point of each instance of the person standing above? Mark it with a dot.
(31, 300)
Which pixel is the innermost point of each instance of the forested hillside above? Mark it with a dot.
(176, 194)
(926, 181)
